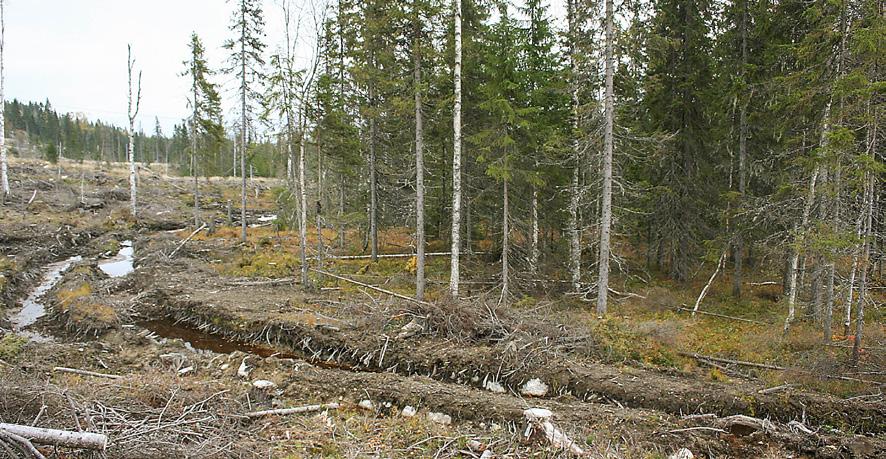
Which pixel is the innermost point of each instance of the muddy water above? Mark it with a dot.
(121, 264)
(207, 341)
(33, 307)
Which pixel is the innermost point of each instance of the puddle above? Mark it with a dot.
(32, 307)
(207, 341)
(264, 220)
(121, 264)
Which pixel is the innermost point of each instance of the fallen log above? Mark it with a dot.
(701, 357)
(86, 373)
(372, 287)
(723, 316)
(187, 239)
(83, 440)
(295, 410)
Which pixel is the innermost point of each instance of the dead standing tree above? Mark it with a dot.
(132, 112)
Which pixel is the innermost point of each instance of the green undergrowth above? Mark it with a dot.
(11, 345)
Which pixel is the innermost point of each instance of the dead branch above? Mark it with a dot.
(86, 373)
(371, 287)
(187, 239)
(295, 410)
(84, 440)
(723, 316)
(707, 286)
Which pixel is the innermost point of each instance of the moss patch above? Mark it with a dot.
(11, 346)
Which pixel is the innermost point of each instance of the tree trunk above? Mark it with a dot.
(194, 148)
(455, 240)
(828, 313)
(132, 112)
(606, 204)
(792, 283)
(574, 191)
(341, 212)
(419, 168)
(742, 155)
(865, 265)
(302, 204)
(533, 250)
(373, 182)
(243, 126)
(505, 246)
(4, 167)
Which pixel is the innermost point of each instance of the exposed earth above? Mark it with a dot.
(202, 329)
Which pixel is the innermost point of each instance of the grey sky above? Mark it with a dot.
(73, 52)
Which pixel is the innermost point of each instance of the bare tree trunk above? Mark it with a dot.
(847, 317)
(419, 167)
(505, 246)
(534, 251)
(606, 205)
(574, 191)
(4, 167)
(865, 265)
(373, 183)
(456, 159)
(194, 148)
(243, 126)
(792, 283)
(341, 212)
(302, 204)
(828, 313)
(132, 112)
(742, 155)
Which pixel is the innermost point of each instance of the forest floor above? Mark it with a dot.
(202, 331)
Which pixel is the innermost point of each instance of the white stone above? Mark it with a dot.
(537, 413)
(225, 366)
(534, 388)
(366, 405)
(263, 384)
(408, 411)
(494, 386)
(682, 453)
(440, 418)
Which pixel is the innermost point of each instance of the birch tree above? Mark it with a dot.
(574, 185)
(4, 167)
(132, 112)
(606, 205)
(246, 61)
(455, 239)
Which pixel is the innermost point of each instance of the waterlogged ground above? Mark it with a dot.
(221, 329)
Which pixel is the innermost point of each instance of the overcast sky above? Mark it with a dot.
(73, 52)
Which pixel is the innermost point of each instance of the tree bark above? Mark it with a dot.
(534, 250)
(792, 283)
(505, 246)
(194, 145)
(606, 204)
(4, 167)
(742, 154)
(419, 165)
(132, 112)
(574, 191)
(302, 204)
(243, 126)
(865, 265)
(455, 241)
(373, 181)
(84, 440)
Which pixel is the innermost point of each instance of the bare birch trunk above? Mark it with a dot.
(303, 205)
(865, 265)
(194, 149)
(574, 191)
(456, 160)
(792, 283)
(534, 251)
(243, 126)
(419, 169)
(4, 166)
(742, 156)
(505, 246)
(606, 205)
(341, 212)
(132, 112)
